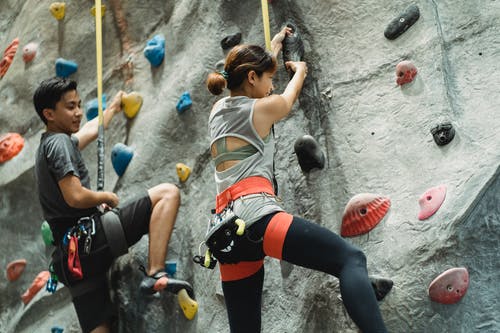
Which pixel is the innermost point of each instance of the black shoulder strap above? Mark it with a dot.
(275, 182)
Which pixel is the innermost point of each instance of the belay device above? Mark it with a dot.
(222, 232)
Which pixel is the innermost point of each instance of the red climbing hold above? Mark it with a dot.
(37, 284)
(405, 72)
(430, 201)
(29, 52)
(362, 213)
(450, 286)
(8, 56)
(10, 145)
(15, 269)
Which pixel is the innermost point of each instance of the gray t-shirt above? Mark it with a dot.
(233, 116)
(57, 156)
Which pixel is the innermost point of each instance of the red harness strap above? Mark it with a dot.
(250, 185)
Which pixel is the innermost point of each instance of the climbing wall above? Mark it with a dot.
(375, 135)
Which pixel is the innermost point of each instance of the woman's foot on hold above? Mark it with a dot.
(381, 286)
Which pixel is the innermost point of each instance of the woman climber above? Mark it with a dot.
(242, 146)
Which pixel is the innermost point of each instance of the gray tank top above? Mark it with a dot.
(233, 116)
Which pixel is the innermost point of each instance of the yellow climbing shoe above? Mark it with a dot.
(183, 171)
(57, 9)
(131, 104)
(187, 304)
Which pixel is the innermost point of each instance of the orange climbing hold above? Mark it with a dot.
(29, 52)
(8, 56)
(15, 269)
(37, 284)
(183, 171)
(362, 213)
(10, 145)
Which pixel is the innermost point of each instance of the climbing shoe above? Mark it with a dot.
(160, 280)
(381, 286)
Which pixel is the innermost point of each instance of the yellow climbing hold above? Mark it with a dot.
(183, 171)
(103, 10)
(57, 9)
(188, 305)
(131, 104)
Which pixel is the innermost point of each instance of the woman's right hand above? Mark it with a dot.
(297, 66)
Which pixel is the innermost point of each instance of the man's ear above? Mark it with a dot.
(252, 76)
(48, 114)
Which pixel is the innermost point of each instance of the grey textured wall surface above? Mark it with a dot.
(375, 134)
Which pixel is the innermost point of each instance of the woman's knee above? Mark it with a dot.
(357, 257)
(165, 191)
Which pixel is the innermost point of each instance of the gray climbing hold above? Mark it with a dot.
(309, 153)
(443, 133)
(401, 23)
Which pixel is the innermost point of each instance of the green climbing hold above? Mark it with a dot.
(48, 239)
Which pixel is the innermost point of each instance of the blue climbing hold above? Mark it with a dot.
(65, 68)
(56, 329)
(92, 109)
(171, 267)
(155, 50)
(120, 157)
(184, 102)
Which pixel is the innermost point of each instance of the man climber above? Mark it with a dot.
(86, 240)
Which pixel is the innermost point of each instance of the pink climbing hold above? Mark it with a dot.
(405, 72)
(8, 56)
(362, 213)
(15, 269)
(450, 286)
(430, 201)
(37, 284)
(29, 52)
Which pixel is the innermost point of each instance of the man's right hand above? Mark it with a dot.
(112, 199)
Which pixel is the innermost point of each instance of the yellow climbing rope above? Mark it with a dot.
(265, 19)
(100, 138)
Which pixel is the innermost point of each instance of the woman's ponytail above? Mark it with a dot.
(216, 82)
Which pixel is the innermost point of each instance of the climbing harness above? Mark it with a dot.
(115, 235)
(223, 231)
(83, 230)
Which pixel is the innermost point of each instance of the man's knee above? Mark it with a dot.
(165, 191)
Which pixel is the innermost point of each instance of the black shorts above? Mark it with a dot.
(94, 307)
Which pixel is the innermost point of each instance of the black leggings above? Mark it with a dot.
(308, 245)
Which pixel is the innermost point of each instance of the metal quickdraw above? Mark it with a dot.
(51, 285)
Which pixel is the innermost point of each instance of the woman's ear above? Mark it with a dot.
(251, 76)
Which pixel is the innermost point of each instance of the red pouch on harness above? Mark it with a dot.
(74, 266)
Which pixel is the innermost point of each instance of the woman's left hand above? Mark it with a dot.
(277, 41)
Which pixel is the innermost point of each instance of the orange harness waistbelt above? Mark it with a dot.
(250, 185)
